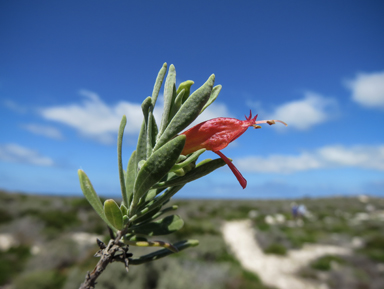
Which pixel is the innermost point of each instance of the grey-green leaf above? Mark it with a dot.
(154, 215)
(90, 194)
(214, 94)
(165, 226)
(141, 149)
(196, 173)
(167, 245)
(151, 133)
(164, 252)
(157, 166)
(119, 158)
(193, 157)
(130, 178)
(158, 83)
(157, 202)
(168, 97)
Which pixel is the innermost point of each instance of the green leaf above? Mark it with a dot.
(151, 134)
(182, 245)
(214, 94)
(176, 104)
(156, 167)
(134, 238)
(141, 149)
(193, 157)
(146, 106)
(196, 173)
(169, 90)
(156, 203)
(119, 158)
(186, 85)
(150, 195)
(130, 178)
(169, 246)
(125, 220)
(113, 214)
(165, 226)
(123, 210)
(203, 162)
(154, 215)
(158, 83)
(145, 215)
(188, 112)
(90, 194)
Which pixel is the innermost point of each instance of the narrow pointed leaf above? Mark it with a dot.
(196, 173)
(135, 238)
(151, 137)
(193, 157)
(157, 166)
(141, 149)
(123, 210)
(203, 162)
(146, 106)
(169, 246)
(119, 158)
(165, 226)
(168, 97)
(130, 178)
(158, 202)
(155, 214)
(158, 83)
(214, 94)
(182, 245)
(125, 220)
(186, 85)
(176, 104)
(90, 194)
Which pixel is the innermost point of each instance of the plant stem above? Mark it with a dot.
(107, 255)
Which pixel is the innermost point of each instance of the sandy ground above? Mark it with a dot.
(274, 270)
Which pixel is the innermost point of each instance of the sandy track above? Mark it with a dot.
(274, 270)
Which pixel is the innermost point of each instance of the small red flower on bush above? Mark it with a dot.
(215, 134)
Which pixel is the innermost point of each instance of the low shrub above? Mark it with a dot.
(276, 249)
(324, 263)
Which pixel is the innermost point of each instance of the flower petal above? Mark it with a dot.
(235, 171)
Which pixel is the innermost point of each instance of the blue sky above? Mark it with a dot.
(69, 70)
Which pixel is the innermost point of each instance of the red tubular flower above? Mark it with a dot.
(215, 134)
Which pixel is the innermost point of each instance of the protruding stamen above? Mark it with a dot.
(270, 121)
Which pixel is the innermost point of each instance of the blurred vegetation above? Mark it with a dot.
(50, 249)
(12, 262)
(324, 263)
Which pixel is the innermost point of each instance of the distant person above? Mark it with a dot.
(301, 211)
(294, 210)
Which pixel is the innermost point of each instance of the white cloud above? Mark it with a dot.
(368, 157)
(302, 114)
(14, 106)
(368, 89)
(19, 154)
(94, 118)
(47, 131)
